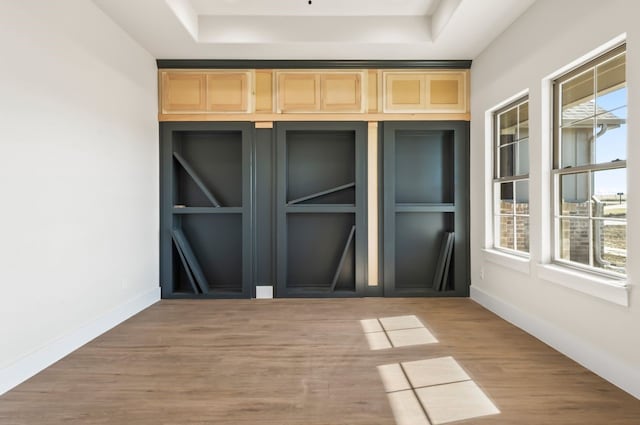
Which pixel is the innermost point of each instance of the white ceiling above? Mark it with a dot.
(325, 29)
(317, 8)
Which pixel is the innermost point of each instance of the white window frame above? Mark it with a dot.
(497, 180)
(557, 172)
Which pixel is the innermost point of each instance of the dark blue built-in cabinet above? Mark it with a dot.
(287, 207)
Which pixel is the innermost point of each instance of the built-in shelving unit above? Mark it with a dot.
(206, 210)
(425, 208)
(320, 209)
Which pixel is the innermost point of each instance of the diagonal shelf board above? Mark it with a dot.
(324, 192)
(342, 258)
(445, 274)
(196, 179)
(186, 267)
(191, 260)
(442, 264)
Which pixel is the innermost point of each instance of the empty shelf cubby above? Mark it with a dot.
(320, 167)
(208, 169)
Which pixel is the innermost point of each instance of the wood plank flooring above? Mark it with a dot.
(302, 362)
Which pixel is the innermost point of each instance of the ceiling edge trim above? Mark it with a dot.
(309, 64)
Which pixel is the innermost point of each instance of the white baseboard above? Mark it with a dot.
(31, 364)
(593, 358)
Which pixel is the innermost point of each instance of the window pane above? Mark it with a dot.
(612, 91)
(578, 98)
(593, 134)
(611, 136)
(610, 245)
(523, 121)
(522, 157)
(610, 193)
(522, 234)
(506, 161)
(508, 125)
(574, 240)
(574, 192)
(506, 232)
(522, 197)
(506, 198)
(576, 144)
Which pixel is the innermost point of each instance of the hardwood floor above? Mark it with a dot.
(302, 362)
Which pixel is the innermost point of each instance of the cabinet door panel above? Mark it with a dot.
(228, 92)
(405, 92)
(183, 92)
(447, 92)
(298, 92)
(341, 92)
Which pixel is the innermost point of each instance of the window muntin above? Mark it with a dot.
(511, 178)
(590, 165)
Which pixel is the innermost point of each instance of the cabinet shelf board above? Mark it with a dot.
(207, 210)
(316, 208)
(425, 208)
(345, 251)
(190, 259)
(322, 193)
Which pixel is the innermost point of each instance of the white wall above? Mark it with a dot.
(78, 173)
(602, 335)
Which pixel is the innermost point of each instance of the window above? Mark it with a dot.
(589, 165)
(511, 178)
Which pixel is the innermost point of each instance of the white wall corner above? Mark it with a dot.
(598, 361)
(35, 362)
(188, 17)
(442, 16)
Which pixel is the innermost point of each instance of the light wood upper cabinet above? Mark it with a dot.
(447, 92)
(205, 91)
(298, 92)
(266, 94)
(228, 91)
(341, 92)
(183, 92)
(443, 92)
(405, 92)
(320, 92)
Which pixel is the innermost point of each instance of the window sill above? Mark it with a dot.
(612, 290)
(504, 259)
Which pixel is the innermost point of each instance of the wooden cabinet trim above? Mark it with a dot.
(264, 91)
(318, 116)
